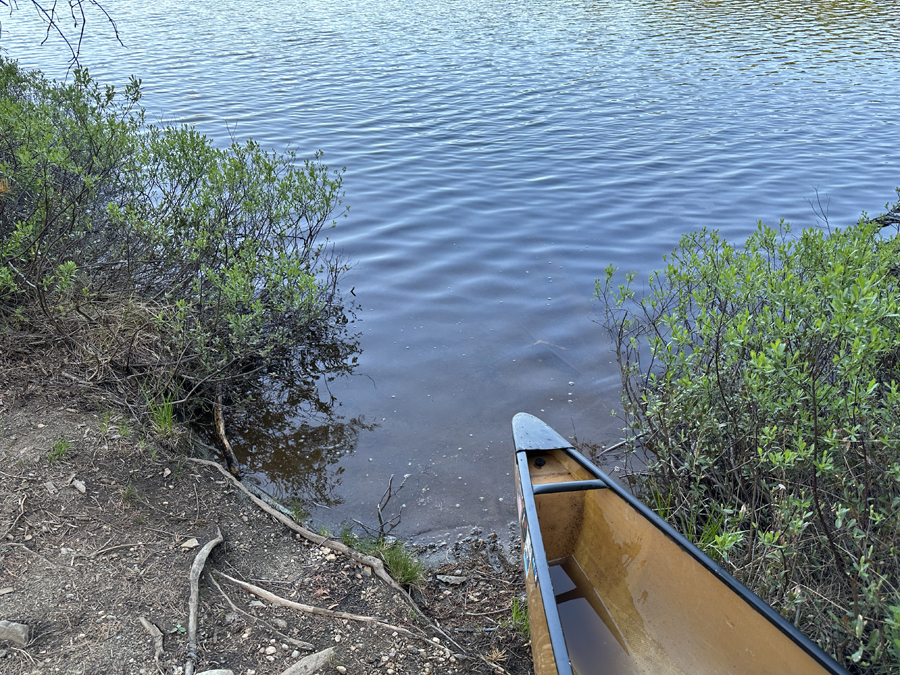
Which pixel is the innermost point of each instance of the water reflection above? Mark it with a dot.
(291, 437)
(289, 443)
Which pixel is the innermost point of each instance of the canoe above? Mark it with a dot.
(614, 589)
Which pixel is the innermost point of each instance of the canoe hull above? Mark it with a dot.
(613, 589)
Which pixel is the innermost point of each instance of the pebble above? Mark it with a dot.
(17, 633)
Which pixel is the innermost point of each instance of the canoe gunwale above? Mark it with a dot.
(529, 432)
(542, 569)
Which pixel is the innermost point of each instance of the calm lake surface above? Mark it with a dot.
(499, 155)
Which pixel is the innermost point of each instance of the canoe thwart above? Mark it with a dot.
(569, 486)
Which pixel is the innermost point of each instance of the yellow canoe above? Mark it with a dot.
(613, 589)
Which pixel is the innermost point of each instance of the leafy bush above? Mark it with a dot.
(761, 389)
(162, 261)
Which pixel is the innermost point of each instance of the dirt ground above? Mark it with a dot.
(99, 528)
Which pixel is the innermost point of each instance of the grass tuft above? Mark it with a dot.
(402, 565)
(58, 450)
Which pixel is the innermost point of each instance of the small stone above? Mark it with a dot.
(217, 671)
(451, 580)
(190, 543)
(17, 633)
(310, 664)
(271, 650)
(281, 623)
(257, 603)
(340, 669)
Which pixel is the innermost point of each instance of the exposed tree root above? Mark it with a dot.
(299, 644)
(321, 611)
(376, 565)
(196, 569)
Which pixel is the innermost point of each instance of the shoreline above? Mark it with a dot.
(102, 524)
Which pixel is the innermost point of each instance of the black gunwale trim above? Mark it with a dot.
(542, 570)
(552, 438)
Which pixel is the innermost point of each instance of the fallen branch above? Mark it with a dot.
(297, 643)
(376, 564)
(230, 457)
(321, 611)
(196, 568)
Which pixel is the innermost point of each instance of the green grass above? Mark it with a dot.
(299, 513)
(519, 618)
(162, 416)
(58, 450)
(397, 558)
(105, 420)
(348, 538)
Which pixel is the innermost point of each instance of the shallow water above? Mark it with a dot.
(499, 155)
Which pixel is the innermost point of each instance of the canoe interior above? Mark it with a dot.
(631, 600)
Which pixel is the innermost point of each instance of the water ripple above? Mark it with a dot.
(500, 154)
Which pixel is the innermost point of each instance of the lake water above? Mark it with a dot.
(499, 155)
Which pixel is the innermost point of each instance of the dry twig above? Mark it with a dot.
(321, 611)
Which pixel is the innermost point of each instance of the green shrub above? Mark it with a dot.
(166, 264)
(761, 386)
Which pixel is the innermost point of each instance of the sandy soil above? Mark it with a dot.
(99, 528)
